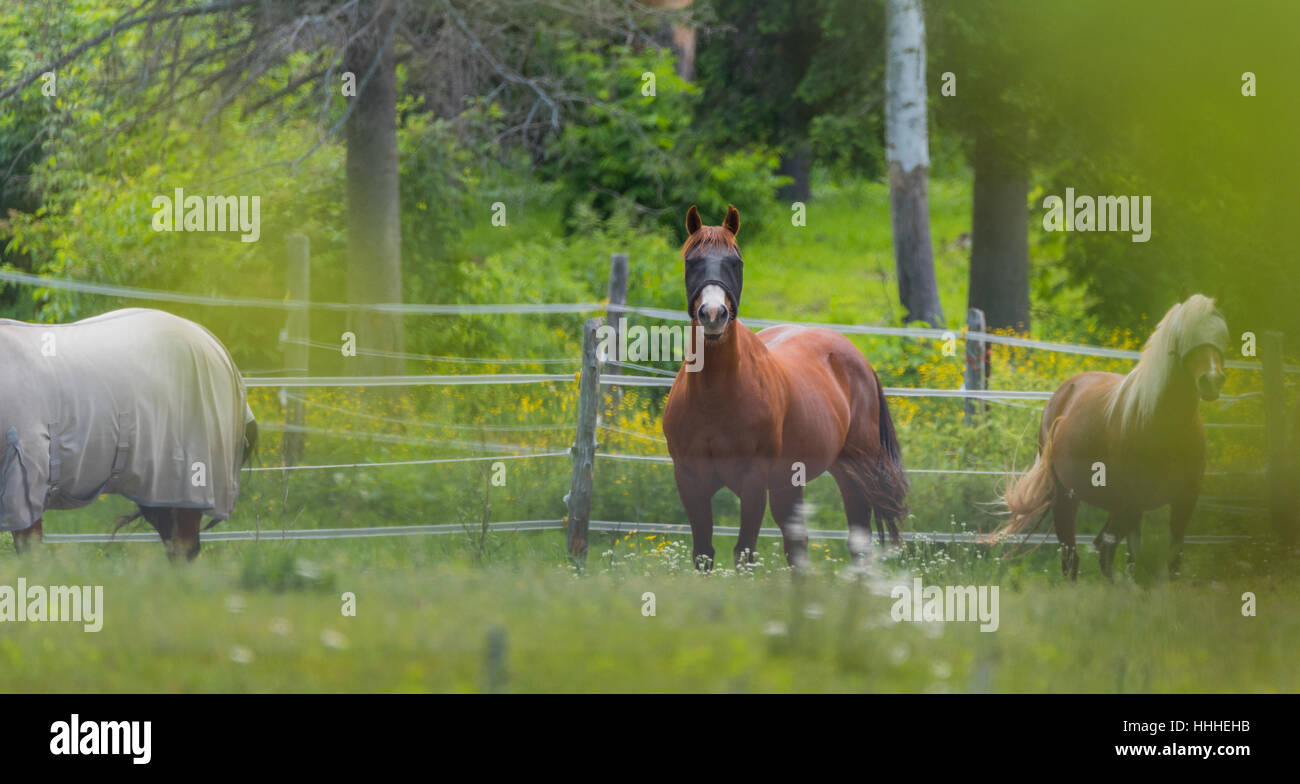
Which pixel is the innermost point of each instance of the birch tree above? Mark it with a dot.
(907, 150)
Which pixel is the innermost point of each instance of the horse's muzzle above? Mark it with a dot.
(1209, 385)
(713, 320)
(713, 309)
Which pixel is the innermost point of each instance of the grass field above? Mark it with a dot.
(268, 616)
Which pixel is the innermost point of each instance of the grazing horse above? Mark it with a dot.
(135, 402)
(766, 411)
(1127, 444)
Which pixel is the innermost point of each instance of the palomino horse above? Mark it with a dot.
(1127, 444)
(766, 410)
(135, 402)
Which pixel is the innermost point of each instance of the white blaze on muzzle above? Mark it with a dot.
(713, 297)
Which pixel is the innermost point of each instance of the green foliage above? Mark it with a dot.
(632, 160)
(781, 72)
(277, 570)
(1109, 104)
(98, 223)
(437, 180)
(843, 144)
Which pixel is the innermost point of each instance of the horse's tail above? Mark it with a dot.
(126, 519)
(880, 476)
(890, 499)
(250, 441)
(889, 438)
(1029, 498)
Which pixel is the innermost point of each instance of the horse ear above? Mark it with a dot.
(693, 221)
(732, 221)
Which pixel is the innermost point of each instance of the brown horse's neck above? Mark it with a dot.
(1176, 414)
(1179, 402)
(724, 359)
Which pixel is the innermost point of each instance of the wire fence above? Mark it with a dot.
(658, 378)
(274, 534)
(927, 333)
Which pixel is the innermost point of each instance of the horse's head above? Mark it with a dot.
(1201, 340)
(714, 272)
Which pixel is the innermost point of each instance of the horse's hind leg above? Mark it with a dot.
(23, 539)
(179, 529)
(895, 538)
(858, 513)
(1064, 512)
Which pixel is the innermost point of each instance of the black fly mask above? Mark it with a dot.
(722, 267)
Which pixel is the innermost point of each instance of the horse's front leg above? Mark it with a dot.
(1180, 514)
(23, 539)
(753, 505)
(1117, 527)
(697, 498)
(787, 510)
(1134, 547)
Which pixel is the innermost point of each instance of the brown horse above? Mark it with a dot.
(1127, 444)
(766, 411)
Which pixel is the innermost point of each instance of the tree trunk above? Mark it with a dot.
(374, 209)
(907, 148)
(999, 257)
(796, 164)
(679, 38)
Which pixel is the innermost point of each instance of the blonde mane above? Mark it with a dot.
(1187, 325)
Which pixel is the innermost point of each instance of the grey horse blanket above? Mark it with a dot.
(135, 402)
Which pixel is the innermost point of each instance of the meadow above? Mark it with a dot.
(430, 617)
(487, 610)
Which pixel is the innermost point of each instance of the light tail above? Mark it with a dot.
(1029, 498)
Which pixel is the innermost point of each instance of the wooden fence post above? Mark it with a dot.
(297, 331)
(584, 447)
(1292, 476)
(1270, 355)
(617, 296)
(496, 660)
(975, 370)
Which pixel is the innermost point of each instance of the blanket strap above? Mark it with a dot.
(14, 456)
(125, 427)
(56, 465)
